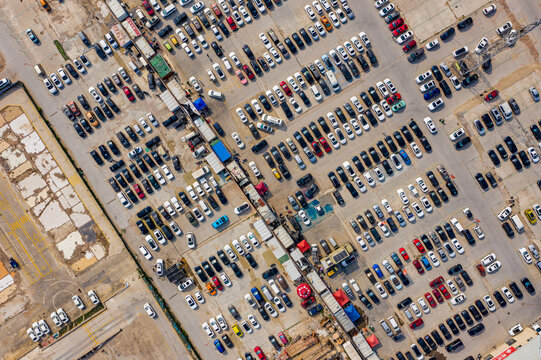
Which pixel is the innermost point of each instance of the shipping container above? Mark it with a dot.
(344, 320)
(330, 301)
(284, 237)
(117, 9)
(292, 271)
(121, 36)
(262, 230)
(205, 130)
(131, 28)
(144, 47)
(362, 345)
(351, 351)
(169, 101)
(316, 282)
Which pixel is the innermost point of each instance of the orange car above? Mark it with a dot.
(210, 288)
(326, 23)
(93, 121)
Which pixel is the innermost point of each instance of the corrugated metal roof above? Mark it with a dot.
(144, 46)
(214, 163)
(331, 302)
(121, 36)
(117, 9)
(169, 101)
(344, 320)
(262, 230)
(178, 92)
(259, 203)
(284, 236)
(131, 28)
(360, 342)
(315, 282)
(277, 249)
(350, 351)
(204, 129)
(292, 271)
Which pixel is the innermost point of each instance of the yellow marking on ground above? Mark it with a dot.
(74, 179)
(90, 334)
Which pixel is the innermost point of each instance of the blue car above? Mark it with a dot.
(220, 222)
(219, 346)
(256, 294)
(327, 61)
(432, 93)
(396, 259)
(405, 157)
(377, 270)
(32, 36)
(426, 263)
(316, 309)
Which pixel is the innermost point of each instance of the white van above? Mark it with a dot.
(39, 70)
(316, 93)
(299, 161)
(134, 67)
(333, 81)
(155, 5)
(227, 63)
(269, 119)
(386, 327)
(457, 225)
(266, 293)
(515, 220)
(205, 208)
(215, 94)
(168, 10)
(393, 323)
(505, 109)
(333, 243)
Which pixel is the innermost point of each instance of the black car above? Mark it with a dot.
(372, 57)
(515, 289)
(365, 99)
(528, 285)
(426, 145)
(373, 94)
(459, 321)
(298, 40)
(437, 337)
(236, 270)
(263, 313)
(445, 88)
(466, 278)
(374, 154)
(499, 298)
(488, 121)
(199, 271)
(342, 174)
(524, 158)
(470, 80)
(338, 197)
(452, 188)
(362, 61)
(447, 34)
(460, 144)
(514, 106)
(217, 49)
(308, 75)
(446, 334)
(476, 329)
(473, 310)
(508, 229)
(481, 180)
(464, 23)
(399, 139)
(354, 193)
(510, 144)
(516, 163)
(454, 345)
(491, 179)
(290, 45)
(452, 326)
(406, 133)
(416, 55)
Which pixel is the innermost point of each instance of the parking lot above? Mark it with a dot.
(513, 71)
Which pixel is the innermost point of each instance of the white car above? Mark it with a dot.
(481, 45)
(362, 243)
(145, 252)
(317, 6)
(455, 135)
(364, 38)
(421, 78)
(490, 303)
(333, 140)
(270, 309)
(50, 86)
(517, 329)
(423, 305)
(230, 253)
(390, 85)
(191, 302)
(238, 247)
(235, 59)
(356, 127)
(310, 12)
(214, 324)
(404, 37)
(265, 41)
(30, 332)
(238, 140)
(382, 89)
(430, 125)
(187, 50)
(222, 322)
(95, 94)
(525, 255)
(460, 51)
(427, 86)
(479, 232)
(452, 287)
(379, 114)
(403, 196)
(434, 105)
(386, 10)
(381, 290)
(508, 295)
(413, 190)
(416, 310)
(225, 279)
(420, 213)
(489, 259)
(456, 83)
(416, 150)
(426, 204)
(185, 284)
(64, 76)
(56, 81)
(56, 319)
(504, 213)
(460, 298)
(93, 297)
(489, 10)
(457, 246)
(357, 44)
(495, 266)
(369, 179)
(378, 173)
(386, 205)
(195, 84)
(433, 258)
(305, 219)
(533, 154)
(199, 297)
(432, 44)
(384, 229)
(421, 184)
(78, 302)
(206, 327)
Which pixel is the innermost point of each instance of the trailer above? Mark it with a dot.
(121, 36)
(144, 47)
(169, 101)
(117, 9)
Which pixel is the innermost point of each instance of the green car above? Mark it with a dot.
(191, 218)
(167, 45)
(153, 182)
(399, 105)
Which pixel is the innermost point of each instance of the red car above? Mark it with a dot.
(308, 302)
(248, 72)
(217, 283)
(418, 266)
(419, 246)
(128, 93)
(437, 281)
(396, 24)
(438, 296)
(216, 9)
(430, 300)
(444, 291)
(74, 109)
(259, 353)
(491, 95)
(283, 338)
(414, 325)
(286, 88)
(404, 254)
(317, 149)
(232, 23)
(392, 99)
(138, 191)
(481, 269)
(148, 8)
(325, 144)
(400, 30)
(409, 46)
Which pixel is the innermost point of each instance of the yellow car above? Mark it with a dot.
(93, 121)
(530, 215)
(276, 173)
(210, 288)
(237, 330)
(167, 45)
(326, 23)
(174, 40)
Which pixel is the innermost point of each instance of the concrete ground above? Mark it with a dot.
(288, 18)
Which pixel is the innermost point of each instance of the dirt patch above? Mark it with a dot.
(10, 113)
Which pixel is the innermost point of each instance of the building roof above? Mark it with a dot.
(341, 297)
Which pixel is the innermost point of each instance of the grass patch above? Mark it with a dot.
(61, 50)
(80, 319)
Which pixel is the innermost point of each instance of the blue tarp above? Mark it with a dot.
(352, 313)
(199, 104)
(221, 151)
